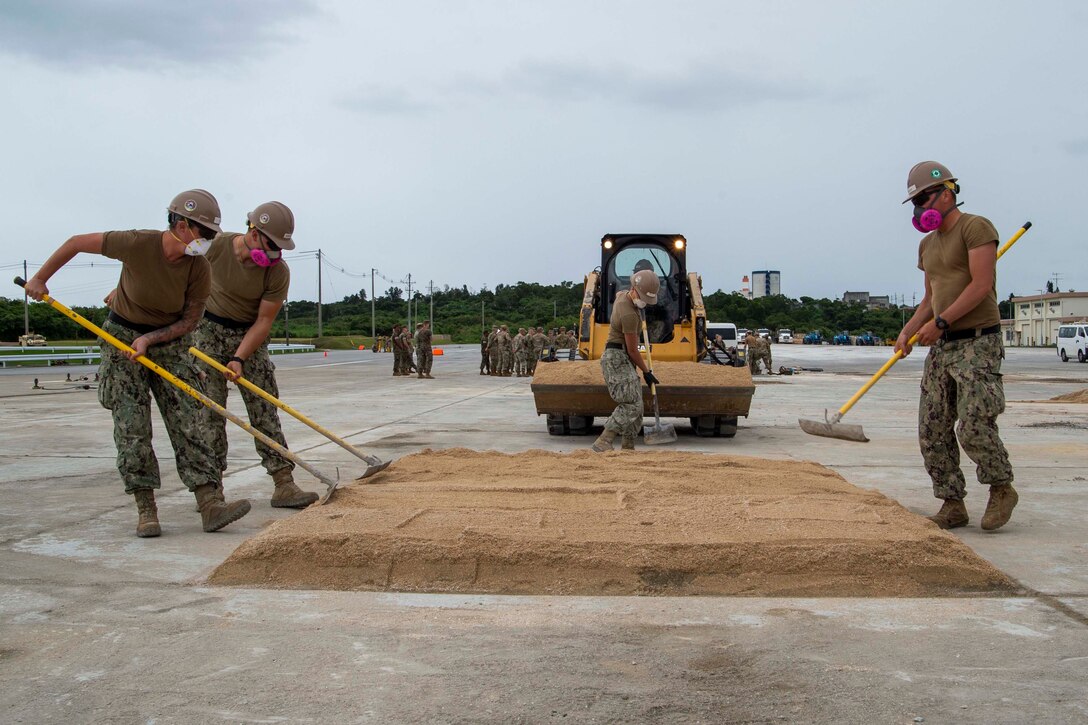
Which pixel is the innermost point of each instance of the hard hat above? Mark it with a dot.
(926, 175)
(647, 284)
(275, 221)
(198, 206)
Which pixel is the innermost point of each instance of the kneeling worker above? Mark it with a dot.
(621, 360)
(249, 285)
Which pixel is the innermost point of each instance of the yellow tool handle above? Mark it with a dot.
(174, 380)
(646, 342)
(278, 403)
(914, 338)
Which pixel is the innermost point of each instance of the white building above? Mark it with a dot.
(1036, 317)
(766, 282)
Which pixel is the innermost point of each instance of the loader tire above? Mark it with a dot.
(557, 425)
(580, 425)
(714, 426)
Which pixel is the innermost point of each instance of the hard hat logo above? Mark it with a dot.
(936, 173)
(190, 205)
(264, 218)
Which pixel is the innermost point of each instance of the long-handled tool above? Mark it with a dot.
(659, 432)
(174, 380)
(830, 427)
(373, 463)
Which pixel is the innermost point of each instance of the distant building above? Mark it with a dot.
(745, 288)
(1036, 318)
(766, 282)
(871, 302)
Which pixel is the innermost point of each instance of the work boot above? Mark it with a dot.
(628, 443)
(287, 495)
(148, 524)
(999, 508)
(604, 441)
(419, 375)
(218, 492)
(428, 376)
(953, 514)
(214, 513)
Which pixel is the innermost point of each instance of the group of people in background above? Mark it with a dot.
(402, 343)
(505, 355)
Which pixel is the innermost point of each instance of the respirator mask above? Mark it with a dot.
(263, 258)
(928, 220)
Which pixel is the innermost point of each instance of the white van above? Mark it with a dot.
(1073, 340)
(727, 330)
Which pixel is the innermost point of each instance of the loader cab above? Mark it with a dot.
(665, 254)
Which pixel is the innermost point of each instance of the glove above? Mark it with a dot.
(650, 379)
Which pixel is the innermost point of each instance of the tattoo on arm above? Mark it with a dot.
(190, 315)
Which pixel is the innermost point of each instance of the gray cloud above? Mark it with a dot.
(1077, 147)
(700, 87)
(139, 33)
(384, 101)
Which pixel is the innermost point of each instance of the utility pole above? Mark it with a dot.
(319, 293)
(26, 305)
(555, 309)
(287, 321)
(409, 301)
(483, 315)
(373, 331)
(430, 295)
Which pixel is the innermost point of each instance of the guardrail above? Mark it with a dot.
(92, 354)
(40, 349)
(87, 358)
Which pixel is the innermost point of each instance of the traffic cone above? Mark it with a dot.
(326, 353)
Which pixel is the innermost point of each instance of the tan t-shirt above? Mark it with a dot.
(152, 290)
(239, 287)
(943, 257)
(624, 318)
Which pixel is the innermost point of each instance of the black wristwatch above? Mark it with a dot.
(240, 361)
(942, 324)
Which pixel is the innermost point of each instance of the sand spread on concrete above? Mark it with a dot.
(588, 372)
(1079, 396)
(668, 523)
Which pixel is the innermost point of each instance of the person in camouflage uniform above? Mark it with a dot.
(406, 345)
(249, 284)
(424, 352)
(539, 340)
(521, 363)
(398, 357)
(759, 350)
(506, 352)
(958, 318)
(159, 298)
(621, 361)
(493, 354)
(485, 361)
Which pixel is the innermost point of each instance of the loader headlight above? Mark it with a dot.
(679, 244)
(607, 243)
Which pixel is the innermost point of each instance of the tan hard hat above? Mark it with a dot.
(199, 206)
(647, 284)
(926, 175)
(276, 222)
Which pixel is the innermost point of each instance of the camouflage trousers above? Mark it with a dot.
(493, 359)
(506, 361)
(220, 343)
(424, 359)
(402, 361)
(534, 358)
(962, 382)
(754, 358)
(485, 362)
(126, 389)
(625, 388)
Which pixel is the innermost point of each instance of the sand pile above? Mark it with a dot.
(620, 523)
(1080, 396)
(680, 374)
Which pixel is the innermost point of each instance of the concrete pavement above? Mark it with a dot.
(96, 625)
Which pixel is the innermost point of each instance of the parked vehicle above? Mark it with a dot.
(785, 337)
(1073, 340)
(865, 338)
(32, 340)
(764, 333)
(843, 338)
(729, 332)
(813, 338)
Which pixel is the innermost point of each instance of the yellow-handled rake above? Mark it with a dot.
(830, 427)
(373, 463)
(184, 386)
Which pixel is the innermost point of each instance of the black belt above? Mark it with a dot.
(134, 326)
(952, 336)
(613, 346)
(227, 322)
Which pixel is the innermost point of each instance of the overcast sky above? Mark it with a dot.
(487, 142)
